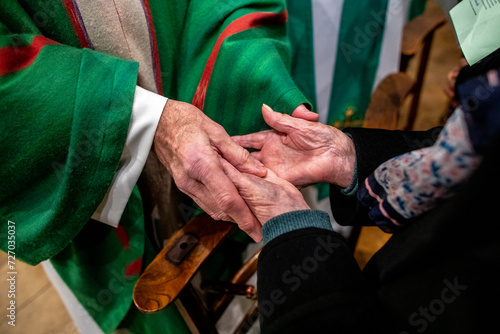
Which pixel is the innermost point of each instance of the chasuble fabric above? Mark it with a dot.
(68, 72)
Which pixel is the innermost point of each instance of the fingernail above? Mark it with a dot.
(268, 108)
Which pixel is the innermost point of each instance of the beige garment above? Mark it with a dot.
(126, 35)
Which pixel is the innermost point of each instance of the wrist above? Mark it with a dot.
(161, 128)
(345, 174)
(288, 201)
(343, 163)
(176, 118)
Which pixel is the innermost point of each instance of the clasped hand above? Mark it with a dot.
(298, 153)
(231, 184)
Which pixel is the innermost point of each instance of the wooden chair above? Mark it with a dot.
(168, 278)
(417, 36)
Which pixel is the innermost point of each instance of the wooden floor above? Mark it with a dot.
(38, 307)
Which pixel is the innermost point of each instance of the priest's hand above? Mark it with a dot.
(301, 151)
(189, 145)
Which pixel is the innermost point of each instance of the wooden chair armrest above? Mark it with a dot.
(420, 27)
(169, 273)
(386, 101)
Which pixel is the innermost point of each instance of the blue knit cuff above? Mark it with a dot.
(295, 220)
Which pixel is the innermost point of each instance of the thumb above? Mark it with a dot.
(304, 113)
(278, 121)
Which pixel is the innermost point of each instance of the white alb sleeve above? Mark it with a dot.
(146, 112)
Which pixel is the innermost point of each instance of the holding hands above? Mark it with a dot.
(231, 184)
(298, 152)
(302, 152)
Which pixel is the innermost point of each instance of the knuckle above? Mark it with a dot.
(226, 202)
(214, 215)
(215, 131)
(182, 183)
(196, 166)
(246, 226)
(219, 215)
(243, 157)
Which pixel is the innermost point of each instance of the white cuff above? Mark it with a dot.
(146, 112)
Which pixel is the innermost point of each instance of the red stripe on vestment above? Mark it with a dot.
(13, 59)
(249, 21)
(154, 47)
(123, 236)
(76, 22)
(133, 268)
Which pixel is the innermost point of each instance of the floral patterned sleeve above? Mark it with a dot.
(413, 183)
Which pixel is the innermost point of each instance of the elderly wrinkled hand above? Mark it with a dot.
(189, 145)
(267, 197)
(301, 151)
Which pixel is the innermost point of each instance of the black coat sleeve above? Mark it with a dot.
(309, 282)
(373, 147)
